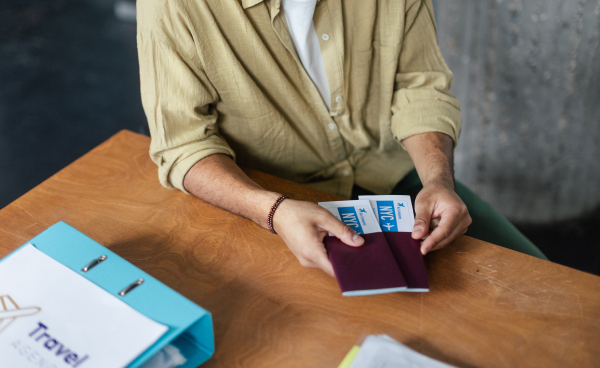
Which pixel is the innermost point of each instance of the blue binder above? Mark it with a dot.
(190, 326)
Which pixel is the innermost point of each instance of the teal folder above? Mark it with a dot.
(190, 326)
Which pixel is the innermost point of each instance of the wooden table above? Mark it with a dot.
(488, 306)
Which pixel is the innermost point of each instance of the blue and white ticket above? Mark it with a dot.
(356, 214)
(394, 212)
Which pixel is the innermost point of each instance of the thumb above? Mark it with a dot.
(343, 232)
(422, 217)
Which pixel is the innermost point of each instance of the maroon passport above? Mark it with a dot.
(407, 252)
(368, 269)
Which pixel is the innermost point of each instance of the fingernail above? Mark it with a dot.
(356, 238)
(417, 229)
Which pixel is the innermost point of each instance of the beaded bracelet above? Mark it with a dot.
(272, 212)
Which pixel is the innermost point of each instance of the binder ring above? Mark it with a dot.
(131, 286)
(93, 263)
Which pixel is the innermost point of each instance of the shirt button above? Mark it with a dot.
(339, 99)
(325, 37)
(332, 126)
(346, 172)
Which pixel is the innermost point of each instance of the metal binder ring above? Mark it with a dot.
(132, 286)
(93, 263)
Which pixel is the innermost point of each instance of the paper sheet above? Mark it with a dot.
(356, 214)
(51, 317)
(381, 351)
(394, 212)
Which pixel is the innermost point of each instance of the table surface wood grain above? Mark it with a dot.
(488, 306)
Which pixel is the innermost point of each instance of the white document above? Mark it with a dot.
(168, 357)
(51, 317)
(381, 351)
(394, 212)
(356, 214)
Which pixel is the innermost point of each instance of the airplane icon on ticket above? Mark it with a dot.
(388, 226)
(9, 311)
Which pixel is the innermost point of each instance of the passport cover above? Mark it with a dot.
(366, 270)
(407, 252)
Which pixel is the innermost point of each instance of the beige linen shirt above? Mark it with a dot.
(222, 76)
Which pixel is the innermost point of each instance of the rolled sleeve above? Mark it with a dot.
(178, 100)
(174, 163)
(422, 100)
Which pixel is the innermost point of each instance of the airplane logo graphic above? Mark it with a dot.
(388, 226)
(400, 204)
(9, 311)
(362, 210)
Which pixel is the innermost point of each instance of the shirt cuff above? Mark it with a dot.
(424, 117)
(172, 175)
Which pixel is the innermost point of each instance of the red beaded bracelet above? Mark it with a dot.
(272, 212)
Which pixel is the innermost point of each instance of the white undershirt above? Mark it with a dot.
(299, 17)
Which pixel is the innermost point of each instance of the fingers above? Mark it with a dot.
(322, 261)
(341, 230)
(423, 209)
(303, 226)
(434, 223)
(438, 236)
(453, 224)
(316, 257)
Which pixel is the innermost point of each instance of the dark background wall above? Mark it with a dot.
(530, 92)
(528, 77)
(68, 81)
(527, 74)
